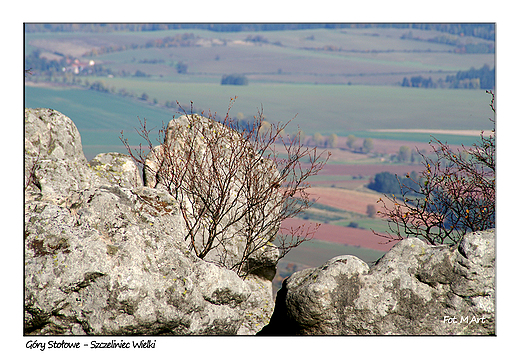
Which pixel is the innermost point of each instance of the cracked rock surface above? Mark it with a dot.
(106, 256)
(415, 289)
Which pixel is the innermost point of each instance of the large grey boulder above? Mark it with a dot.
(55, 163)
(54, 159)
(415, 289)
(106, 256)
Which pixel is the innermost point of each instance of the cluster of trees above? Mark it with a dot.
(385, 182)
(481, 30)
(43, 67)
(36, 63)
(483, 78)
(479, 48)
(234, 79)
(321, 141)
(456, 41)
(139, 73)
(180, 40)
(368, 144)
(418, 81)
(454, 194)
(181, 67)
(257, 39)
(406, 154)
(98, 86)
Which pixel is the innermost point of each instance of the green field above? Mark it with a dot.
(99, 117)
(360, 56)
(342, 81)
(327, 109)
(339, 81)
(330, 108)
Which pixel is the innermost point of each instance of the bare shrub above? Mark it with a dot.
(454, 194)
(235, 185)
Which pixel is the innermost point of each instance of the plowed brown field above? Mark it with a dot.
(344, 235)
(345, 199)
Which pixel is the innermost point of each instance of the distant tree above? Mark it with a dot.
(181, 67)
(371, 210)
(140, 73)
(368, 145)
(301, 135)
(415, 156)
(333, 141)
(385, 182)
(234, 79)
(144, 96)
(351, 139)
(318, 139)
(405, 154)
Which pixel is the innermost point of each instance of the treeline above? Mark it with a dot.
(34, 62)
(43, 67)
(461, 45)
(484, 75)
(388, 183)
(483, 78)
(180, 40)
(234, 79)
(394, 185)
(482, 30)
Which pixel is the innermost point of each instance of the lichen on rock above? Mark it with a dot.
(415, 289)
(106, 256)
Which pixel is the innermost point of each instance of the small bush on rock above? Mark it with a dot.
(454, 194)
(234, 185)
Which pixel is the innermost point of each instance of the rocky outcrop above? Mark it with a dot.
(217, 173)
(106, 256)
(415, 289)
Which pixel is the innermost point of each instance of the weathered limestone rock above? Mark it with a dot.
(54, 160)
(216, 150)
(117, 169)
(415, 289)
(106, 256)
(55, 163)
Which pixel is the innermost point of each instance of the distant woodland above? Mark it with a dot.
(483, 78)
(481, 30)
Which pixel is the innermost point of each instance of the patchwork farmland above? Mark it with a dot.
(328, 81)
